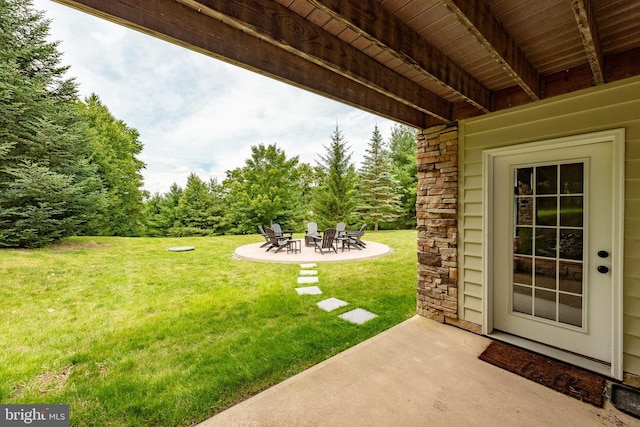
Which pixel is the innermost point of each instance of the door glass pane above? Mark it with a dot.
(523, 243)
(545, 273)
(522, 270)
(571, 211)
(547, 180)
(548, 220)
(522, 300)
(570, 276)
(571, 244)
(545, 304)
(524, 181)
(546, 210)
(571, 178)
(570, 309)
(524, 210)
(546, 242)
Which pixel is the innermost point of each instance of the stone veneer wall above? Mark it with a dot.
(437, 216)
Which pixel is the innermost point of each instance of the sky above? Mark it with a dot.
(195, 113)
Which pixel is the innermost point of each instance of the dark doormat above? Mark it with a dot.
(559, 376)
(626, 399)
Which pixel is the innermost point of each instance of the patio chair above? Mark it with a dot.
(340, 229)
(312, 234)
(354, 238)
(264, 234)
(277, 242)
(287, 234)
(327, 243)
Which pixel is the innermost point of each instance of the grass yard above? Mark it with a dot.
(129, 334)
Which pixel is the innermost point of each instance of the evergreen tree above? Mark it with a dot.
(333, 200)
(114, 148)
(48, 188)
(378, 198)
(161, 211)
(199, 210)
(403, 146)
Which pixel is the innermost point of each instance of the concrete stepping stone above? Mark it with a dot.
(331, 304)
(358, 316)
(307, 279)
(312, 265)
(309, 290)
(308, 272)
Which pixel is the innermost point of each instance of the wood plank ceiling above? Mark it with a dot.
(419, 62)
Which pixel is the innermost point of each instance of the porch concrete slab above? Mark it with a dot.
(309, 290)
(358, 316)
(307, 279)
(308, 272)
(332, 304)
(418, 373)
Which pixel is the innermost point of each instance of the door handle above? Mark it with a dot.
(603, 254)
(603, 269)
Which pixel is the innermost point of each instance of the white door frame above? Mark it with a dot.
(617, 138)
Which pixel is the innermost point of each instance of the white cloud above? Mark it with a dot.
(195, 113)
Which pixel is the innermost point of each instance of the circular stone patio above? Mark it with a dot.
(254, 252)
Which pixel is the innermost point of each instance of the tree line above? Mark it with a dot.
(68, 167)
(272, 187)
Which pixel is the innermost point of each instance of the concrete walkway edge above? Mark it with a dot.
(418, 373)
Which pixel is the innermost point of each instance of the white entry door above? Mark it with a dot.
(553, 218)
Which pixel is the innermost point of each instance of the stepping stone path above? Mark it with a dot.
(331, 304)
(357, 316)
(309, 290)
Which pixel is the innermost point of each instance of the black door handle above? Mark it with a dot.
(603, 269)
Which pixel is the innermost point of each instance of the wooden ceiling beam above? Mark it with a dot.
(184, 26)
(478, 19)
(583, 12)
(370, 20)
(277, 25)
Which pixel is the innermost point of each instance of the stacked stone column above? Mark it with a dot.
(437, 216)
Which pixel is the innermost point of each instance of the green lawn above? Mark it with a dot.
(130, 334)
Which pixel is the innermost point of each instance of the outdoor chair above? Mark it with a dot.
(277, 242)
(312, 234)
(354, 238)
(264, 234)
(287, 234)
(327, 242)
(340, 229)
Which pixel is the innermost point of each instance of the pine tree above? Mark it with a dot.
(48, 188)
(333, 199)
(403, 145)
(378, 198)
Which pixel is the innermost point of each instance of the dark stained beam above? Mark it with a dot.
(184, 26)
(583, 12)
(277, 25)
(370, 20)
(478, 19)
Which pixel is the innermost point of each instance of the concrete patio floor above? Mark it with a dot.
(418, 373)
(307, 254)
